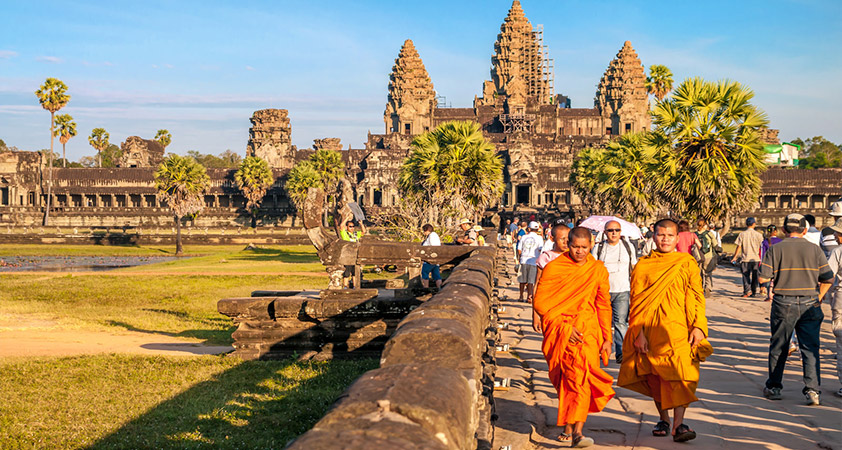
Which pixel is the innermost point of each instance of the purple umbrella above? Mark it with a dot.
(597, 223)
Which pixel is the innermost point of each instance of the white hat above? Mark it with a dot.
(837, 227)
(836, 209)
(464, 221)
(534, 225)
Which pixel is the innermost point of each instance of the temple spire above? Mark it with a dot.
(411, 94)
(621, 96)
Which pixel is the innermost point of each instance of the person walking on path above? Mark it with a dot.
(835, 294)
(619, 258)
(519, 233)
(708, 243)
(667, 332)
(560, 232)
(771, 239)
(686, 239)
(431, 239)
(813, 234)
(470, 236)
(801, 277)
(529, 251)
(828, 235)
(572, 302)
(748, 253)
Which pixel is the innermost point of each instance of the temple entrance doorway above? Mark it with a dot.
(522, 194)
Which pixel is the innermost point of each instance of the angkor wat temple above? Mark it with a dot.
(536, 132)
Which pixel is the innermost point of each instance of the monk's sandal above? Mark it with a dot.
(661, 428)
(580, 441)
(565, 438)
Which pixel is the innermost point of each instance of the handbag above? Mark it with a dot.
(697, 254)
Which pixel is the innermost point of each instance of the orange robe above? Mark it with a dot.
(667, 302)
(570, 296)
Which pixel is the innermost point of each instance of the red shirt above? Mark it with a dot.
(685, 241)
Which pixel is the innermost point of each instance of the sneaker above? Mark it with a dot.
(772, 393)
(839, 392)
(813, 398)
(792, 348)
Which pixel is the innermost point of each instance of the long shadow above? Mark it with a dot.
(209, 337)
(252, 405)
(272, 254)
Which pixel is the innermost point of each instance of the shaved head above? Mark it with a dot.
(579, 245)
(666, 223)
(580, 233)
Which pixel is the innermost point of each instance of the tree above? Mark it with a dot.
(111, 156)
(164, 138)
(659, 81)
(181, 184)
(87, 161)
(225, 160)
(53, 96)
(707, 149)
(99, 141)
(66, 130)
(329, 165)
(452, 170)
(817, 152)
(301, 177)
(254, 178)
(3, 147)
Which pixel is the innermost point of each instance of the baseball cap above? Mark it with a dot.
(796, 220)
(836, 209)
(464, 221)
(837, 227)
(534, 225)
(751, 221)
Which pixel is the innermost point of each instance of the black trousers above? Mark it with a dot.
(750, 281)
(802, 315)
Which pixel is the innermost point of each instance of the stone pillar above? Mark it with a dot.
(230, 201)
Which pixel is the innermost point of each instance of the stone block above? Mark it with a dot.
(248, 308)
(447, 343)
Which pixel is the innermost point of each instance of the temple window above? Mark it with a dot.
(76, 200)
(4, 196)
(378, 198)
(150, 201)
(628, 127)
(608, 131)
(407, 128)
(120, 200)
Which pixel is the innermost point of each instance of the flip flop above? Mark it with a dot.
(661, 428)
(581, 441)
(565, 438)
(683, 434)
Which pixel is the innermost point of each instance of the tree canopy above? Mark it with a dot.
(181, 184)
(817, 153)
(254, 178)
(99, 141)
(225, 160)
(164, 138)
(659, 81)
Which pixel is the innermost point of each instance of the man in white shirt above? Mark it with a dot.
(835, 294)
(619, 258)
(813, 234)
(431, 238)
(529, 250)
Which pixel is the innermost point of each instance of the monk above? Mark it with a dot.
(667, 331)
(573, 303)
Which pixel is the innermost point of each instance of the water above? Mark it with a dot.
(74, 263)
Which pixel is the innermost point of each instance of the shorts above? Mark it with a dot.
(427, 268)
(528, 274)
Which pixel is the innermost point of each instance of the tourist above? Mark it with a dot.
(470, 236)
(835, 294)
(529, 251)
(480, 237)
(559, 234)
(828, 235)
(708, 249)
(348, 232)
(519, 234)
(667, 332)
(771, 239)
(688, 242)
(512, 234)
(748, 252)
(617, 255)
(507, 232)
(813, 235)
(801, 277)
(572, 304)
(431, 239)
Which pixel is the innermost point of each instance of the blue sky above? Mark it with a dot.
(199, 69)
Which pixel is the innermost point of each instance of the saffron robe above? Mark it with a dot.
(568, 296)
(666, 302)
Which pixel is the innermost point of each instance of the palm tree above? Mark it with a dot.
(254, 178)
(453, 169)
(53, 96)
(99, 141)
(659, 81)
(302, 177)
(164, 138)
(66, 130)
(707, 147)
(181, 184)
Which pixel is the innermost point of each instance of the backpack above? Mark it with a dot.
(705, 238)
(625, 244)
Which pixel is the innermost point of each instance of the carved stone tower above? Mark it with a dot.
(269, 138)
(411, 95)
(519, 52)
(139, 152)
(621, 97)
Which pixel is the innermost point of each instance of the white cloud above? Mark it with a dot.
(168, 66)
(50, 59)
(6, 54)
(250, 68)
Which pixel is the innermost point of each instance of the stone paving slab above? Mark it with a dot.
(731, 413)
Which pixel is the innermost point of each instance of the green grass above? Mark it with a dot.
(175, 305)
(291, 258)
(130, 402)
(132, 250)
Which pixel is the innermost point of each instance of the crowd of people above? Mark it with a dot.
(594, 292)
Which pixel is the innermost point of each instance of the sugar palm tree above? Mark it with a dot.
(300, 178)
(624, 181)
(452, 168)
(588, 176)
(181, 183)
(254, 178)
(99, 141)
(66, 129)
(659, 81)
(164, 138)
(708, 148)
(53, 96)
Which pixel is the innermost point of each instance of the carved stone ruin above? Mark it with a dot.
(139, 152)
(269, 138)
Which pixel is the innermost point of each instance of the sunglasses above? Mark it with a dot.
(613, 230)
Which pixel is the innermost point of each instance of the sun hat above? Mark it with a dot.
(836, 209)
(534, 225)
(464, 221)
(837, 227)
(477, 228)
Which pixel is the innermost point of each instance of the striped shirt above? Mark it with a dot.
(797, 267)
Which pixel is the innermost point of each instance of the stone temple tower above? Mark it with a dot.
(519, 52)
(412, 98)
(621, 97)
(269, 138)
